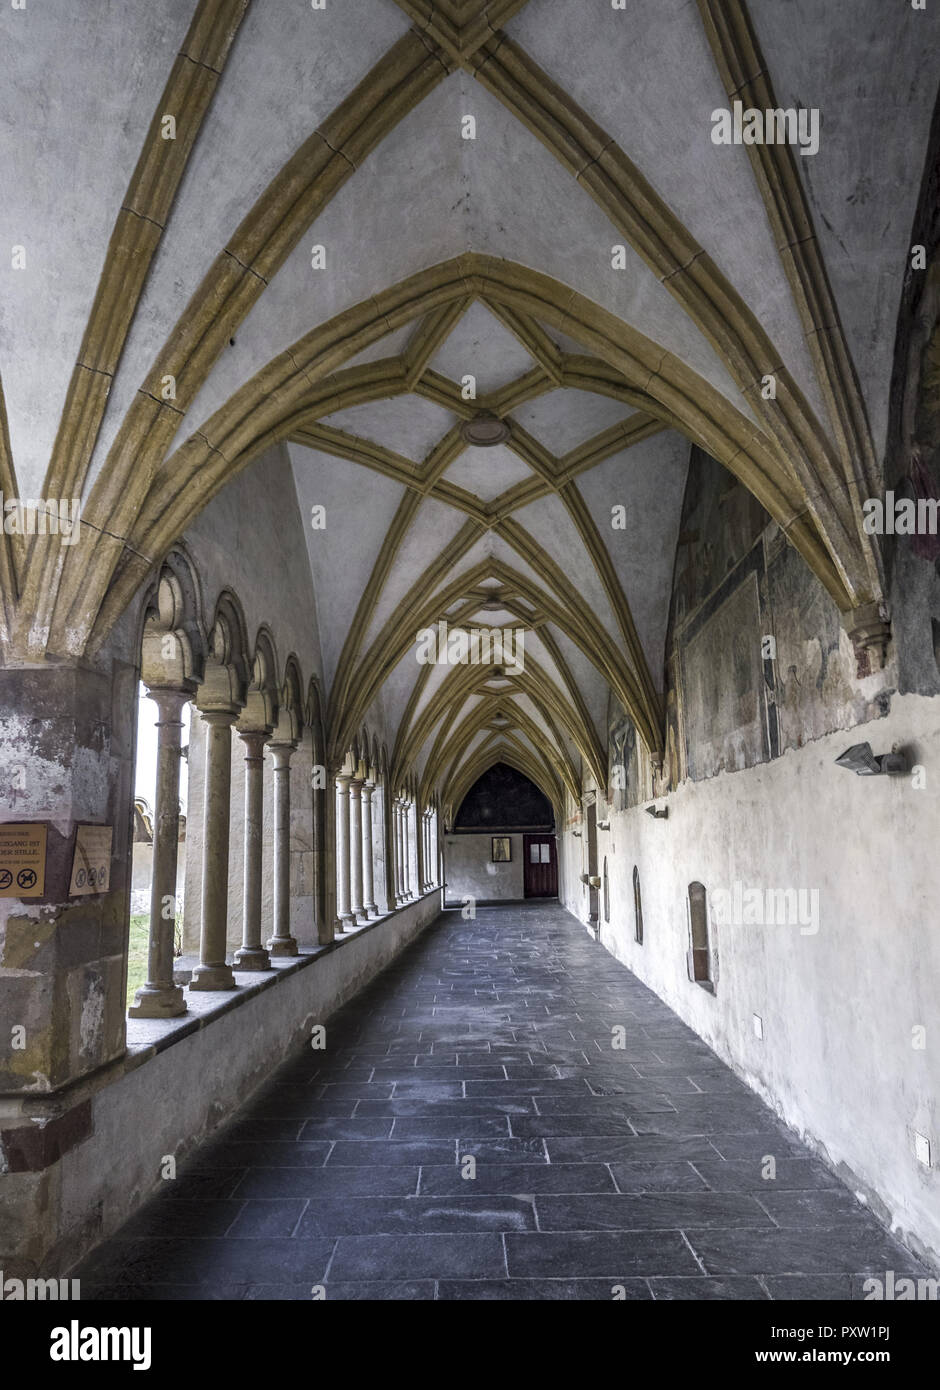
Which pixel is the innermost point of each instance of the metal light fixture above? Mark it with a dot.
(658, 815)
(862, 761)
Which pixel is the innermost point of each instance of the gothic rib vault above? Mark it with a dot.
(318, 259)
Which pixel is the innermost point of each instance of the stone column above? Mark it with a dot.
(391, 811)
(212, 971)
(160, 997)
(399, 866)
(426, 820)
(355, 850)
(252, 955)
(282, 943)
(406, 851)
(368, 880)
(344, 918)
(419, 851)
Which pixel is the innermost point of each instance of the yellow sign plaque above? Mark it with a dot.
(22, 861)
(91, 862)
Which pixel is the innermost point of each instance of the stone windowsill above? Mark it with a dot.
(148, 1036)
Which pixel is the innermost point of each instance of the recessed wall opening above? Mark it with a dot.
(701, 956)
(637, 908)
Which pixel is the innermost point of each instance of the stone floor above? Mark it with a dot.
(600, 1173)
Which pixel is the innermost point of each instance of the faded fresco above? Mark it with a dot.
(722, 687)
(623, 773)
(757, 659)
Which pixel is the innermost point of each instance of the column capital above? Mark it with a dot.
(219, 714)
(342, 780)
(171, 698)
(869, 628)
(254, 740)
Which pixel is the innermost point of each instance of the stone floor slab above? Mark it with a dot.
(470, 1134)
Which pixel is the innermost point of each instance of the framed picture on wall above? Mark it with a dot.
(502, 849)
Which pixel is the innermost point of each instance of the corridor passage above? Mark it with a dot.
(600, 1172)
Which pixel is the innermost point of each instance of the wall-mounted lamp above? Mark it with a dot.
(603, 825)
(576, 832)
(658, 815)
(862, 761)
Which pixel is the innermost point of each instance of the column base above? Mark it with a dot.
(252, 958)
(371, 910)
(155, 1001)
(283, 946)
(213, 977)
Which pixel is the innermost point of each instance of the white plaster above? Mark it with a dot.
(481, 346)
(469, 871)
(836, 1060)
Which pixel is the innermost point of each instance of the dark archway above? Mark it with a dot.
(503, 799)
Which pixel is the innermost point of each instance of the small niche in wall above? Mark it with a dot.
(637, 907)
(606, 893)
(701, 961)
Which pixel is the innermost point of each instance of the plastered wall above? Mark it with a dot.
(842, 1058)
(471, 873)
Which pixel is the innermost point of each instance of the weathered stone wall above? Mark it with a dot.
(168, 1103)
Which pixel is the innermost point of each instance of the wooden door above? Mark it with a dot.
(540, 875)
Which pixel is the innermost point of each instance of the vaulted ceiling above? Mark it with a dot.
(320, 258)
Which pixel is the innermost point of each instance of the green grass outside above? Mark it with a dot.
(137, 954)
